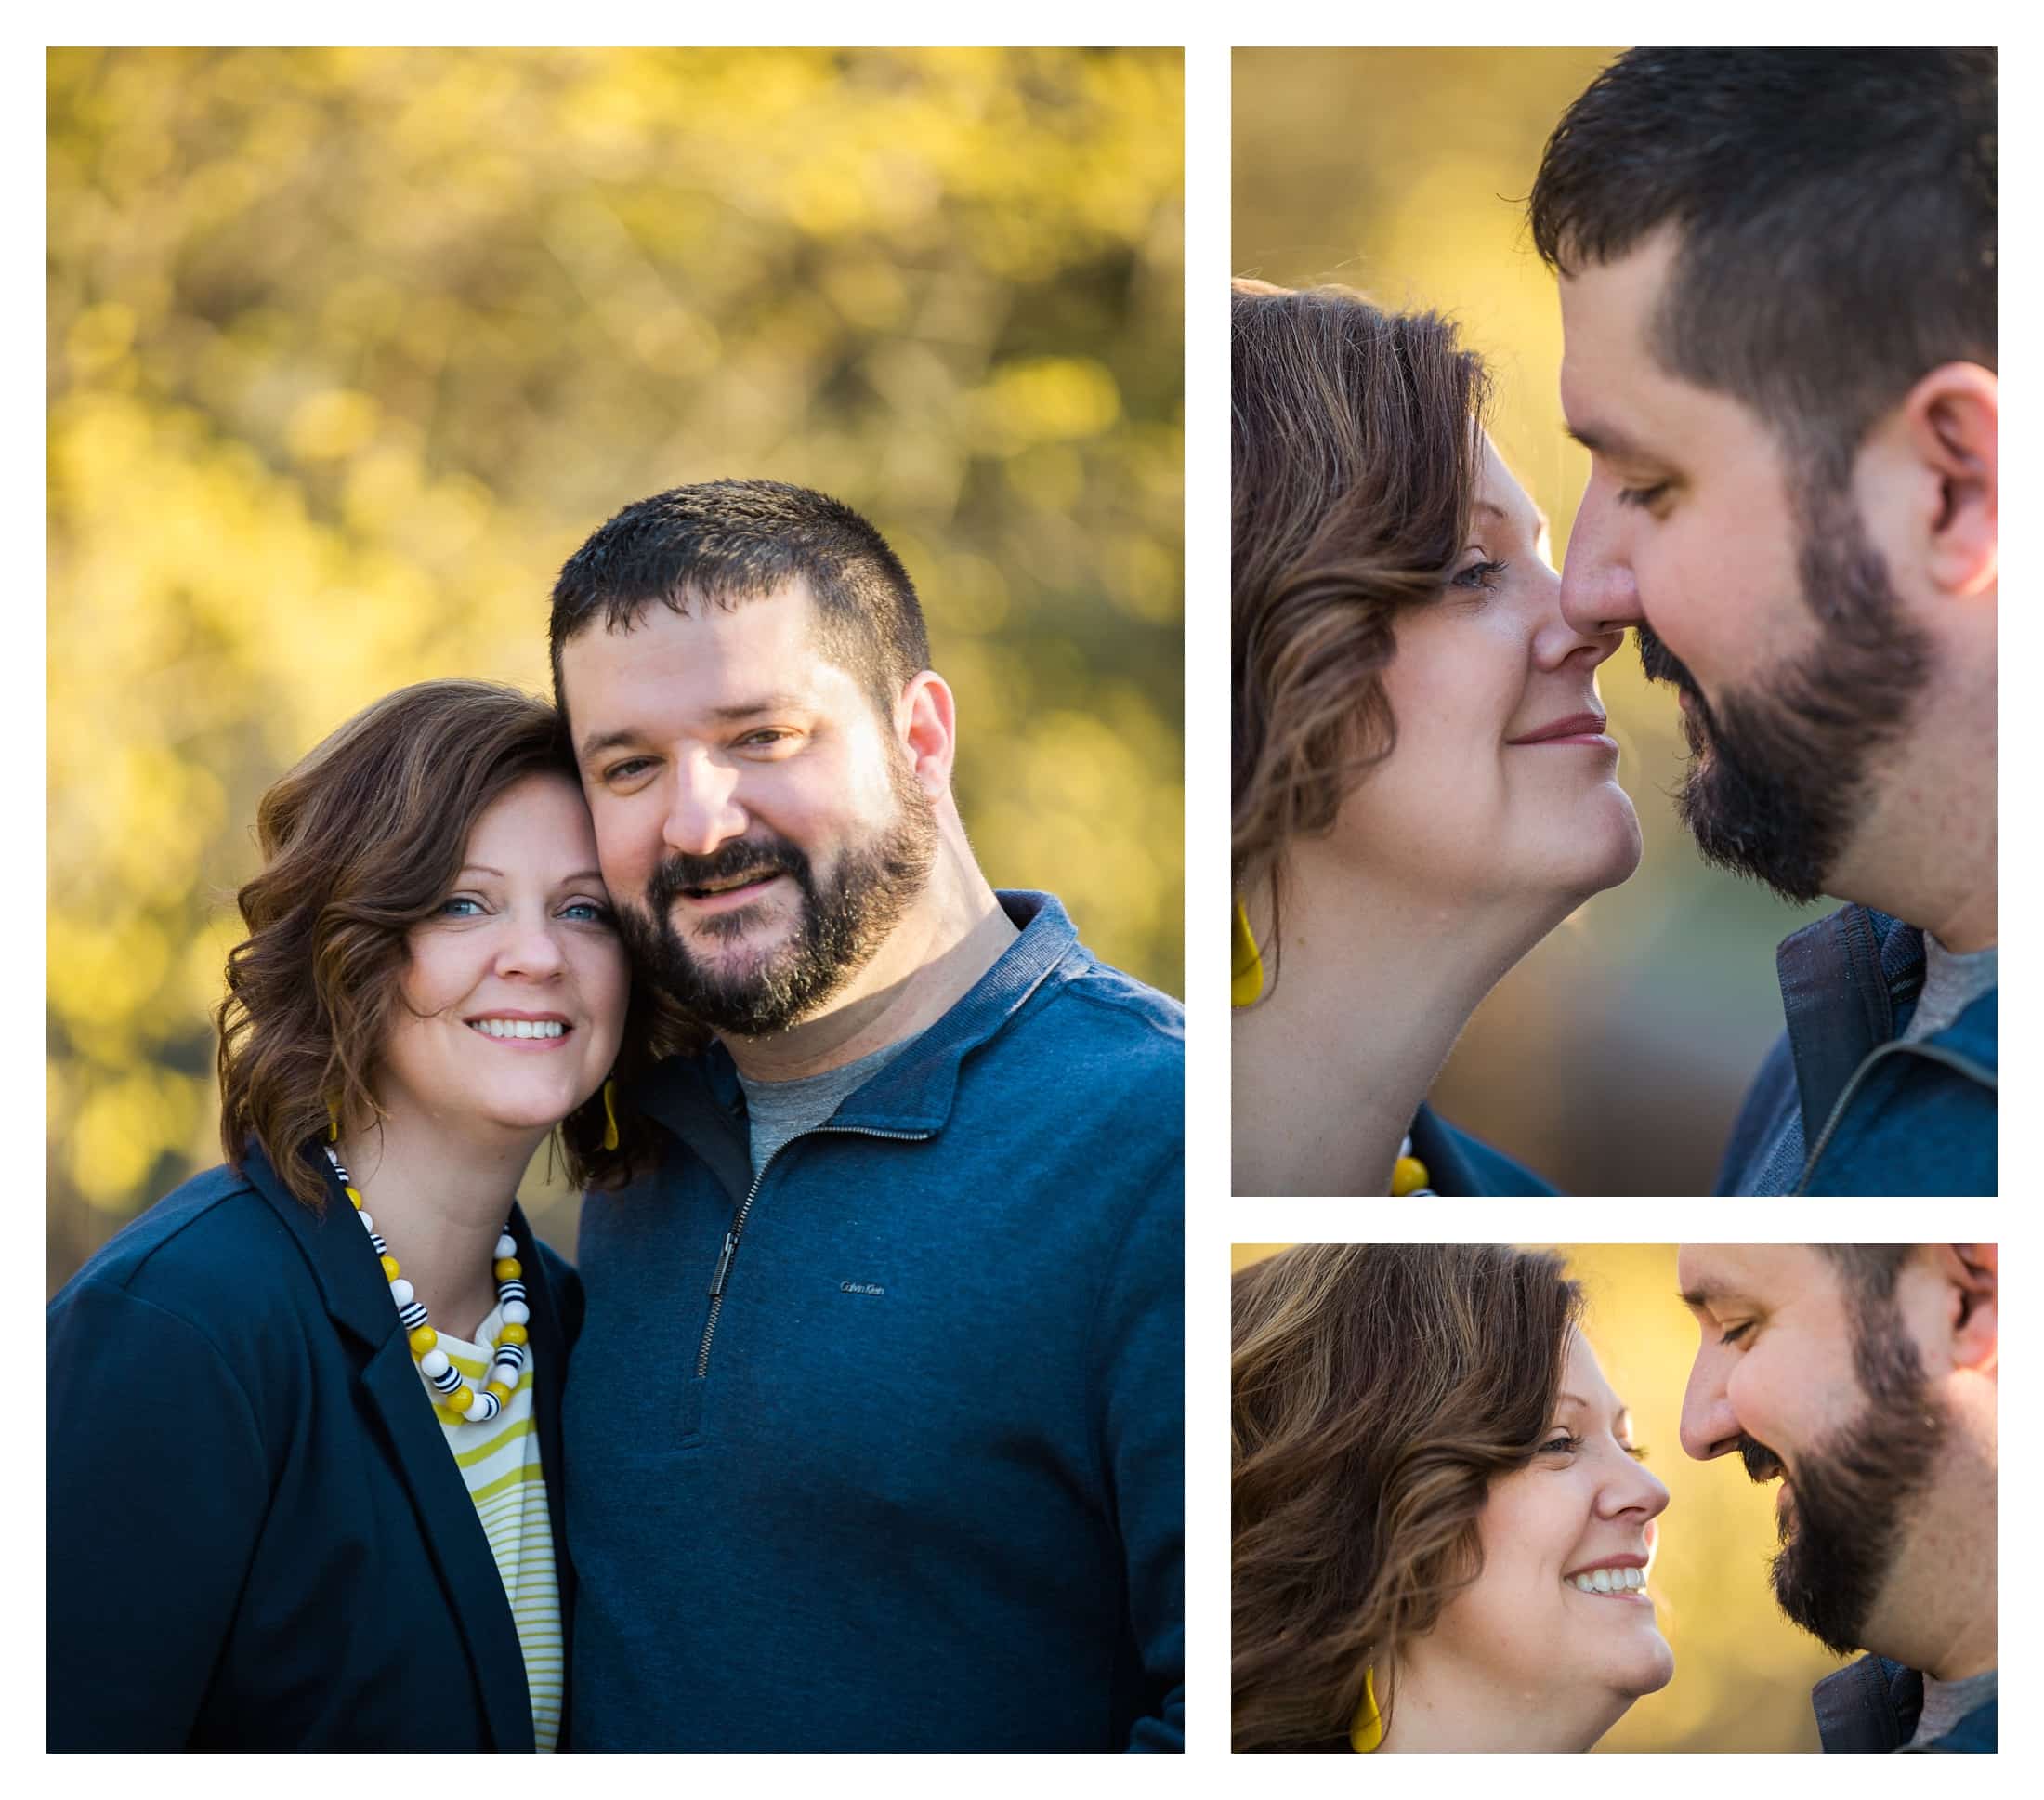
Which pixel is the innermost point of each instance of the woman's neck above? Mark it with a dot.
(1454, 1708)
(1373, 985)
(439, 1202)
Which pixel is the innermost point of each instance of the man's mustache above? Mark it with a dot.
(1762, 1464)
(1662, 664)
(741, 856)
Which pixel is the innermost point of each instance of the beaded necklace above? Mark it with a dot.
(507, 1356)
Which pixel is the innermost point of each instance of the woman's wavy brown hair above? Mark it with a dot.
(360, 842)
(1356, 441)
(1379, 1390)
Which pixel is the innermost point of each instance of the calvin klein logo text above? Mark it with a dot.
(860, 1287)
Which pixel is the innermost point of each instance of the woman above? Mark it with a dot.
(1422, 786)
(1442, 1527)
(328, 1374)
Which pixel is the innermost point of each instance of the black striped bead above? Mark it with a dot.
(377, 1245)
(412, 1317)
(510, 1291)
(512, 1355)
(447, 1380)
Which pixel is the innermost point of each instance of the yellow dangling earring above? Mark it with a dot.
(1246, 987)
(1367, 1731)
(609, 1116)
(333, 1124)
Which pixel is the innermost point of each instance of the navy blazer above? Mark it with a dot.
(258, 1538)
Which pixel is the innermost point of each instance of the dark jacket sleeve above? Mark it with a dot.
(158, 1486)
(1138, 1359)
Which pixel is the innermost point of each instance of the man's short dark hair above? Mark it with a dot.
(723, 543)
(1836, 212)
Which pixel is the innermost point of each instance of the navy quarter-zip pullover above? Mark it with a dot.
(885, 1450)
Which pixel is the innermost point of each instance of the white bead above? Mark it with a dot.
(480, 1407)
(402, 1292)
(515, 1312)
(368, 1224)
(507, 1373)
(434, 1362)
(507, 1245)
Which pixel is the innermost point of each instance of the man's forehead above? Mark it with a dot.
(1714, 1273)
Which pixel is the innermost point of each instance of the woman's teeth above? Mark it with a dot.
(517, 1027)
(1610, 1580)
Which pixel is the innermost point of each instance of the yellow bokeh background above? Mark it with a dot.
(1614, 1057)
(349, 349)
(1743, 1673)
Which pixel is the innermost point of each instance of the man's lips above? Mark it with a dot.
(1578, 728)
(722, 897)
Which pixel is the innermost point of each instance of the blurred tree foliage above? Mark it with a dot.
(350, 348)
(1743, 1673)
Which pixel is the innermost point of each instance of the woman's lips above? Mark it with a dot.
(1579, 728)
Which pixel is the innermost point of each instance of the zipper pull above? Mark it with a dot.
(723, 1266)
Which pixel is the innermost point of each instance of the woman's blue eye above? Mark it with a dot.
(1641, 496)
(1568, 1444)
(447, 906)
(588, 911)
(1480, 575)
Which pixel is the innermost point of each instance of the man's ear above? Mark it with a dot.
(926, 722)
(1950, 424)
(1970, 1273)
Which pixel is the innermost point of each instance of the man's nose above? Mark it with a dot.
(704, 812)
(1710, 1426)
(1598, 592)
(1556, 638)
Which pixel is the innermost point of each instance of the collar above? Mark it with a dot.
(1848, 984)
(913, 1094)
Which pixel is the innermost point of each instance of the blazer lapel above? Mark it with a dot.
(550, 1340)
(358, 1299)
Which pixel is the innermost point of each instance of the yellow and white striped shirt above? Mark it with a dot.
(500, 1461)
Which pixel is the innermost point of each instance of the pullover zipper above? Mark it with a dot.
(720, 1279)
(1930, 1051)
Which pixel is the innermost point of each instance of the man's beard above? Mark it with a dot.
(1780, 776)
(1852, 1494)
(842, 920)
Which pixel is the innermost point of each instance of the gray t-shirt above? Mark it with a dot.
(1946, 1703)
(780, 1110)
(1950, 985)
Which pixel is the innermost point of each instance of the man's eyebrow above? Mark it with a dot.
(1539, 517)
(783, 702)
(1608, 441)
(595, 746)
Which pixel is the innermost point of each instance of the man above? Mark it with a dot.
(1862, 1377)
(1777, 290)
(875, 1440)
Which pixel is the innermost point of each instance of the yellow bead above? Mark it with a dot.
(512, 1334)
(508, 1269)
(355, 1197)
(501, 1391)
(423, 1340)
(460, 1400)
(391, 1270)
(1407, 1174)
